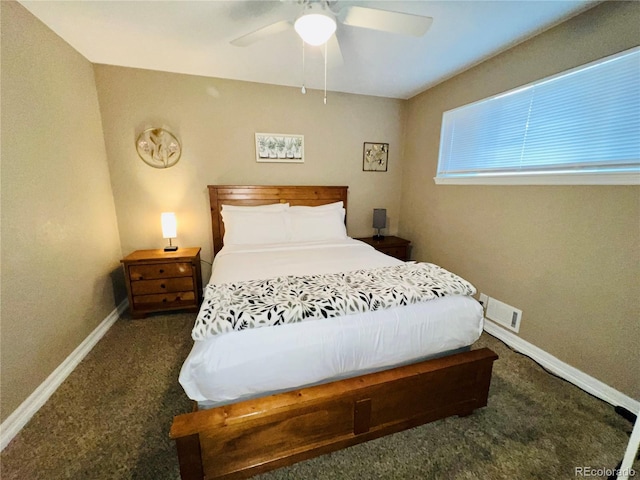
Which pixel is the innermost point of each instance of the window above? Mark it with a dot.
(579, 127)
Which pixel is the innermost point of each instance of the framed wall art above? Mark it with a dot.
(281, 148)
(375, 157)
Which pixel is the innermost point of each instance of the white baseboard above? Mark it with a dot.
(21, 415)
(571, 374)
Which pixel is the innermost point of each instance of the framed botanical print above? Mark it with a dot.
(276, 147)
(375, 157)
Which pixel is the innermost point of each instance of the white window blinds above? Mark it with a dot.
(584, 121)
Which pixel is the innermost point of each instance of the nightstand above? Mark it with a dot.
(393, 246)
(159, 281)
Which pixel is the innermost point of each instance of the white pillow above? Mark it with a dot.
(328, 206)
(248, 227)
(316, 225)
(274, 207)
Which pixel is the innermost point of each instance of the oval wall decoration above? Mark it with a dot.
(158, 148)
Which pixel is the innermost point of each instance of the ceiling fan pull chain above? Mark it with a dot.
(325, 72)
(304, 90)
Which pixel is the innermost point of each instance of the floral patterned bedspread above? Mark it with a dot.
(288, 299)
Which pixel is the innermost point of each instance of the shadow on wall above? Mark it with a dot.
(119, 285)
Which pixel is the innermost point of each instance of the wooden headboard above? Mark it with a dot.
(264, 195)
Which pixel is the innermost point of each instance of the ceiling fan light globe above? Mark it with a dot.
(315, 28)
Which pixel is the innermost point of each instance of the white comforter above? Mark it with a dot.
(253, 362)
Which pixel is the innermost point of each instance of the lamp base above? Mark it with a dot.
(378, 237)
(170, 248)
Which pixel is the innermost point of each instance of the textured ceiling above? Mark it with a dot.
(193, 37)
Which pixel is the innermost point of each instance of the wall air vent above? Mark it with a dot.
(503, 314)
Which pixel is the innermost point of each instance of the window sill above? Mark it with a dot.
(531, 179)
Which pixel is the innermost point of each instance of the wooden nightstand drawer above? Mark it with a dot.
(160, 270)
(165, 285)
(393, 246)
(168, 299)
(159, 281)
(398, 252)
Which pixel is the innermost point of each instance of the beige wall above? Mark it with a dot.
(216, 121)
(59, 232)
(568, 256)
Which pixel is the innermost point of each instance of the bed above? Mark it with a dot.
(271, 396)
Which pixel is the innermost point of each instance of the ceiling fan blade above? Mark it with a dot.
(261, 33)
(334, 53)
(386, 21)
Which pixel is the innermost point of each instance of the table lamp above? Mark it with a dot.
(379, 221)
(169, 229)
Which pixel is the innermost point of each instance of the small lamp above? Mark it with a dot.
(379, 221)
(169, 229)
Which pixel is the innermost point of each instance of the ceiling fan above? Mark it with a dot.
(317, 23)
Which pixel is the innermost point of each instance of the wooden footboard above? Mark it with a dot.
(254, 436)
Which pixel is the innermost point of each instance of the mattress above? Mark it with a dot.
(250, 363)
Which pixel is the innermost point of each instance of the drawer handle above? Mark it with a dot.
(178, 299)
(162, 285)
(161, 270)
(164, 300)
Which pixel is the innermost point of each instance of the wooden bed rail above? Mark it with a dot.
(254, 436)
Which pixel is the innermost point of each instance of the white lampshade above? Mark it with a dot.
(315, 26)
(169, 225)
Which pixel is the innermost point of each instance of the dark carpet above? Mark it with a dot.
(110, 420)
